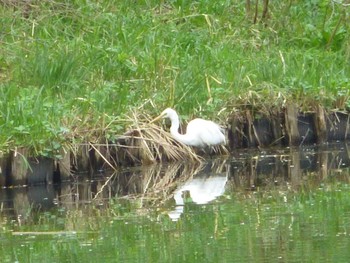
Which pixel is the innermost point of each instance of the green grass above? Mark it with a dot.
(74, 70)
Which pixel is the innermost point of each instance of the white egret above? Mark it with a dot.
(202, 190)
(199, 133)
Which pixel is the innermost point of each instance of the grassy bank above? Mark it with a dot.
(73, 71)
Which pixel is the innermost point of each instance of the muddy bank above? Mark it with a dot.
(246, 129)
(287, 127)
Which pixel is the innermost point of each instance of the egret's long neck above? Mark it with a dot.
(175, 125)
(174, 130)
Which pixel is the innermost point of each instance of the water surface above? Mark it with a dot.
(278, 205)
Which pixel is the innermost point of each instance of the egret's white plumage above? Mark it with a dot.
(201, 191)
(199, 133)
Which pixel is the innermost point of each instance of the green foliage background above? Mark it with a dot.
(74, 70)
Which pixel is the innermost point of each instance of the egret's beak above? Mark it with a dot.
(156, 119)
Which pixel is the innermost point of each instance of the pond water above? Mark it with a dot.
(278, 205)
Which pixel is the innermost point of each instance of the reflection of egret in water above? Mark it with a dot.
(206, 187)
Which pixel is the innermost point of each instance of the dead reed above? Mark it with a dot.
(145, 142)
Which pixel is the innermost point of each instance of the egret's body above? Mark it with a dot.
(201, 191)
(199, 133)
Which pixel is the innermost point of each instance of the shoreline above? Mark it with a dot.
(246, 129)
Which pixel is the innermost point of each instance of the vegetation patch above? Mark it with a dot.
(73, 72)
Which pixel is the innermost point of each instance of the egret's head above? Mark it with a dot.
(167, 113)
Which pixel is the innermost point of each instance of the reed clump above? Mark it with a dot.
(145, 142)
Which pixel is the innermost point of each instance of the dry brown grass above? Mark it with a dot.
(143, 143)
(146, 142)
